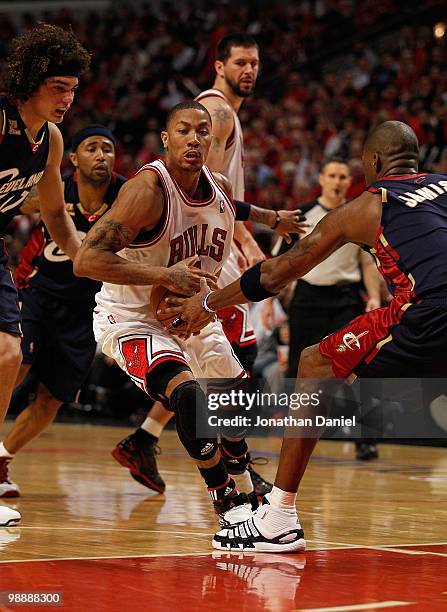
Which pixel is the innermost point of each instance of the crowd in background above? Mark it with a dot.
(331, 69)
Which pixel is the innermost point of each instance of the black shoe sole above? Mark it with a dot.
(297, 546)
(11, 523)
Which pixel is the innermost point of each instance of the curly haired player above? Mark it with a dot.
(38, 84)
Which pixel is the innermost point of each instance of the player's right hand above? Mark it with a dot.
(190, 310)
(184, 277)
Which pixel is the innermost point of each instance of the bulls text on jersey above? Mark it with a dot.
(195, 241)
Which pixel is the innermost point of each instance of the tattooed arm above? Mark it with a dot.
(138, 207)
(222, 126)
(357, 222)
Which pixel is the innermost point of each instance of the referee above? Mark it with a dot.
(328, 297)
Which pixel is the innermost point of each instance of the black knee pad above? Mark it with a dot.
(188, 402)
(157, 380)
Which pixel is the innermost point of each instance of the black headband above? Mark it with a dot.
(91, 130)
(70, 68)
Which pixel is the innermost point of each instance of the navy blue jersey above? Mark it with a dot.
(411, 246)
(22, 163)
(44, 266)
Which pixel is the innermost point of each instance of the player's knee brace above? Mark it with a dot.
(157, 380)
(188, 401)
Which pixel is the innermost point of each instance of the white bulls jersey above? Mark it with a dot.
(234, 149)
(187, 227)
(235, 320)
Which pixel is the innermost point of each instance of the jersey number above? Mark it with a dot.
(53, 253)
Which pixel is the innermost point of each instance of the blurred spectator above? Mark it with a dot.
(370, 68)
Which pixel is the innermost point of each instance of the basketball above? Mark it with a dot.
(159, 297)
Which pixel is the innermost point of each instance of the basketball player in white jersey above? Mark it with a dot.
(169, 212)
(236, 65)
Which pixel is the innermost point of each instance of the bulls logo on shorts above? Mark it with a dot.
(137, 364)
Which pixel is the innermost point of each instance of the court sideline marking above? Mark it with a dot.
(205, 554)
(354, 607)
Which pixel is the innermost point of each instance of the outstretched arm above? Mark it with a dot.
(357, 222)
(283, 222)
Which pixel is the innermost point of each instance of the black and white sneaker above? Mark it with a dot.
(249, 535)
(9, 517)
(233, 509)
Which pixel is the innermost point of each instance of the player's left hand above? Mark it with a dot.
(190, 311)
(292, 222)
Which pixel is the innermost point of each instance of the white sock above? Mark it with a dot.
(243, 481)
(4, 452)
(271, 521)
(152, 426)
(283, 500)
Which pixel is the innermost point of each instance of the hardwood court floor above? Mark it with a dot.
(376, 532)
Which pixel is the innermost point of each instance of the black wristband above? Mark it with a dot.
(242, 210)
(277, 221)
(251, 287)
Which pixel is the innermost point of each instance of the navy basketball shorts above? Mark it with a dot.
(58, 341)
(403, 340)
(9, 302)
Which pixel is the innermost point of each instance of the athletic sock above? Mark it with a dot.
(243, 482)
(144, 439)
(271, 521)
(151, 426)
(4, 454)
(282, 500)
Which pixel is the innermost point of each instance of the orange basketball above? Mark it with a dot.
(159, 297)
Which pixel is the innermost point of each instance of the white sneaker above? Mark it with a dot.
(236, 515)
(8, 516)
(268, 530)
(233, 510)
